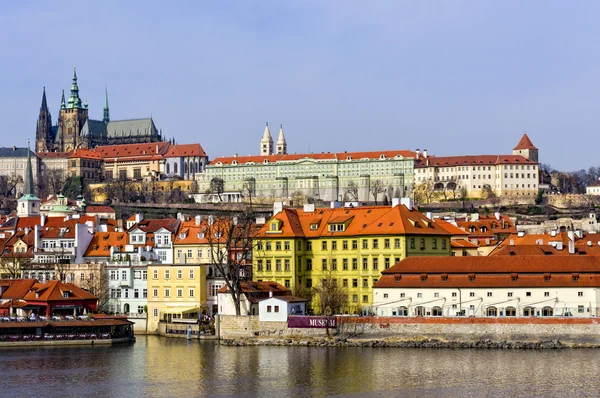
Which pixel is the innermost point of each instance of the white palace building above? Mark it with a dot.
(497, 286)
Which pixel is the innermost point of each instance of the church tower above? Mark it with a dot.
(28, 204)
(281, 144)
(526, 149)
(266, 143)
(71, 120)
(43, 131)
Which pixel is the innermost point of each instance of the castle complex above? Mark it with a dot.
(75, 130)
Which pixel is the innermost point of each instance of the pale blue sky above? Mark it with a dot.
(455, 77)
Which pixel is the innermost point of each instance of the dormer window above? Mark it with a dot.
(483, 229)
(65, 294)
(200, 235)
(336, 227)
(471, 277)
(472, 229)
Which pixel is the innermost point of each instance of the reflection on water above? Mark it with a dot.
(171, 367)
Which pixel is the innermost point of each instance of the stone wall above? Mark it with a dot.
(566, 330)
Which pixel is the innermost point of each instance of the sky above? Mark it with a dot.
(453, 77)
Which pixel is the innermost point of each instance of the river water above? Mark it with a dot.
(160, 367)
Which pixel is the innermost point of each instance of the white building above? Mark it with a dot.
(277, 308)
(252, 293)
(497, 286)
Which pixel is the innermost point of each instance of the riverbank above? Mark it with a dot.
(406, 343)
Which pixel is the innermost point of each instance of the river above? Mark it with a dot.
(160, 367)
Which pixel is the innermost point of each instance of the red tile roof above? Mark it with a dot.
(99, 209)
(525, 143)
(102, 242)
(313, 156)
(153, 225)
(53, 291)
(471, 160)
(250, 288)
(184, 150)
(49, 155)
(368, 220)
(18, 288)
(85, 154)
(496, 271)
(146, 151)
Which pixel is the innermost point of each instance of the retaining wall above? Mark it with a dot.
(567, 330)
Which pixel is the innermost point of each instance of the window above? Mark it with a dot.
(179, 292)
(334, 245)
(402, 295)
(114, 275)
(286, 245)
(179, 274)
(308, 245)
(287, 283)
(387, 263)
(276, 308)
(510, 294)
(444, 244)
(324, 245)
(472, 294)
(277, 245)
(191, 274)
(345, 264)
(355, 298)
(167, 274)
(268, 308)
(354, 244)
(375, 243)
(434, 243)
(422, 245)
(155, 312)
(259, 265)
(396, 243)
(579, 294)
(354, 282)
(354, 264)
(436, 294)
(167, 292)
(308, 283)
(412, 243)
(268, 265)
(365, 263)
(189, 253)
(268, 246)
(365, 244)
(287, 265)
(333, 264)
(324, 263)
(546, 294)
(365, 283)
(386, 243)
(154, 292)
(453, 294)
(136, 293)
(136, 275)
(527, 294)
(489, 294)
(419, 295)
(65, 294)
(345, 283)
(345, 245)
(580, 309)
(124, 275)
(365, 299)
(309, 264)
(145, 293)
(375, 263)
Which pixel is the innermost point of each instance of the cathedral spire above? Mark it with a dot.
(63, 105)
(44, 106)
(28, 186)
(266, 143)
(74, 100)
(106, 117)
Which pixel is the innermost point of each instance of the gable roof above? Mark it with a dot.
(18, 288)
(149, 225)
(85, 154)
(99, 209)
(131, 128)
(185, 150)
(102, 242)
(335, 156)
(525, 143)
(53, 291)
(15, 152)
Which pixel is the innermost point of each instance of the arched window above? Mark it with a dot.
(196, 169)
(175, 168)
(436, 311)
(491, 311)
(528, 311)
(419, 311)
(185, 166)
(402, 311)
(510, 311)
(168, 168)
(547, 311)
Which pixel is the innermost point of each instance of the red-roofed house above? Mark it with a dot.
(86, 163)
(133, 161)
(252, 293)
(492, 286)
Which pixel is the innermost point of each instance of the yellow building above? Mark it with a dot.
(175, 291)
(298, 248)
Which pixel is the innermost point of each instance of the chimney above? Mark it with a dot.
(395, 202)
(497, 215)
(277, 208)
(553, 233)
(429, 215)
(309, 208)
(156, 148)
(407, 202)
(521, 234)
(579, 233)
(559, 245)
(475, 217)
(42, 220)
(336, 204)
(139, 217)
(270, 293)
(198, 220)
(571, 247)
(571, 235)
(425, 153)
(417, 153)
(589, 243)
(37, 232)
(512, 242)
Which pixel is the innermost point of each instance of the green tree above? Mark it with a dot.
(73, 187)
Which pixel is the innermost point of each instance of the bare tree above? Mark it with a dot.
(352, 191)
(376, 188)
(8, 185)
(217, 187)
(11, 265)
(249, 188)
(122, 190)
(51, 183)
(149, 191)
(452, 187)
(230, 240)
(488, 192)
(329, 296)
(97, 285)
(424, 192)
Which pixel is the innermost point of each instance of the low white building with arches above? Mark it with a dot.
(500, 286)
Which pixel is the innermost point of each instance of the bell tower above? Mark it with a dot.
(71, 120)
